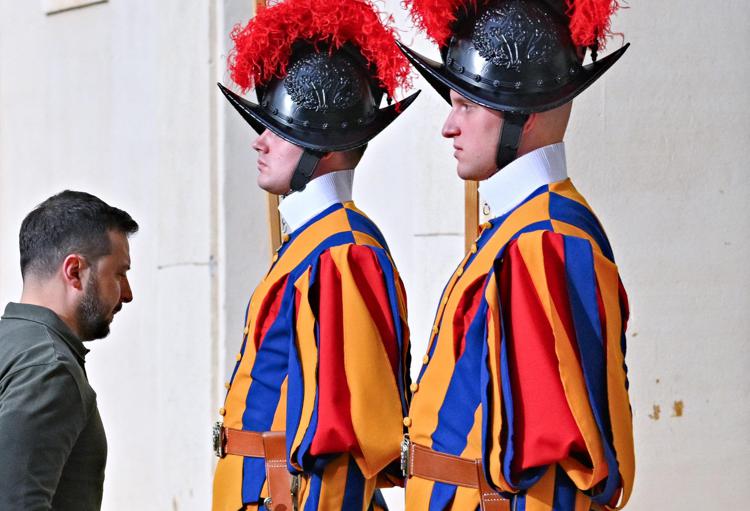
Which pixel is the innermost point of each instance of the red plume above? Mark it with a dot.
(590, 21)
(435, 17)
(263, 47)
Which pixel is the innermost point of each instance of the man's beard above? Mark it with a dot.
(93, 314)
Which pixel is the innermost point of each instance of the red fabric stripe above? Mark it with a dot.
(335, 432)
(553, 247)
(545, 429)
(370, 283)
(268, 311)
(464, 314)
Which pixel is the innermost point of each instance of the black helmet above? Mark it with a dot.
(328, 96)
(516, 56)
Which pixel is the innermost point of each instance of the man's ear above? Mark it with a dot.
(530, 123)
(72, 269)
(326, 156)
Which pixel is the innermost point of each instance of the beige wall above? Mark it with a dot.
(119, 99)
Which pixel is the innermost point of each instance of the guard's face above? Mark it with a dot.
(475, 131)
(105, 290)
(277, 160)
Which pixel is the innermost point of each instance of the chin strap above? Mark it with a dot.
(306, 166)
(510, 138)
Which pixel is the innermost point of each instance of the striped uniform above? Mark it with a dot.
(325, 358)
(525, 368)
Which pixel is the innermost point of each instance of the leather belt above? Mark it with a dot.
(271, 446)
(425, 463)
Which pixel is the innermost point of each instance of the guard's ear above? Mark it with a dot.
(72, 270)
(326, 156)
(530, 123)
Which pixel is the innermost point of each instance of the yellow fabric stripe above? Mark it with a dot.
(309, 239)
(333, 485)
(619, 404)
(418, 493)
(571, 375)
(566, 189)
(375, 402)
(369, 491)
(361, 238)
(473, 449)
(279, 417)
(305, 328)
(234, 404)
(227, 488)
(541, 496)
(495, 401)
(465, 498)
(571, 230)
(583, 503)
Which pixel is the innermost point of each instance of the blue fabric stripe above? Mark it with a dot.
(268, 374)
(378, 501)
(313, 496)
(363, 224)
(569, 211)
(565, 492)
(456, 414)
(581, 286)
(254, 475)
(354, 492)
(390, 284)
(441, 496)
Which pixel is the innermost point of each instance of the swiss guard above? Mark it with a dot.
(522, 399)
(313, 417)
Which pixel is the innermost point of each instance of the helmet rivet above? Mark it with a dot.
(449, 61)
(305, 123)
(344, 124)
(265, 103)
(325, 125)
(460, 69)
(572, 70)
(275, 111)
(477, 78)
(540, 82)
(360, 121)
(290, 119)
(517, 85)
(496, 83)
(558, 79)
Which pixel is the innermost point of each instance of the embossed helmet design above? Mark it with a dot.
(516, 56)
(319, 84)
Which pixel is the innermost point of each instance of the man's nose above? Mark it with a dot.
(450, 129)
(126, 296)
(259, 144)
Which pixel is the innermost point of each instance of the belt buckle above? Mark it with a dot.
(405, 444)
(219, 440)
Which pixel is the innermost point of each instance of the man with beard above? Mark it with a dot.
(74, 262)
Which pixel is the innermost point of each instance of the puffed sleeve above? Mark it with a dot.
(555, 375)
(348, 375)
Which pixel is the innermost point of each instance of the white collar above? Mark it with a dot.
(517, 180)
(320, 193)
